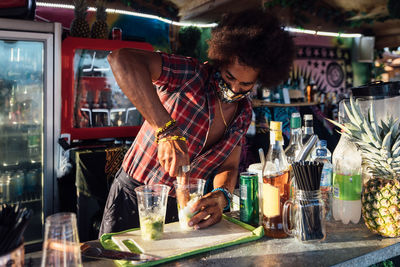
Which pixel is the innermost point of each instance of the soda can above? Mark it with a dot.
(249, 210)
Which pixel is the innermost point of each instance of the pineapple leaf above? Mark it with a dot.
(355, 108)
(341, 126)
(395, 128)
(365, 138)
(385, 128)
(350, 115)
(396, 145)
(371, 149)
(396, 152)
(374, 124)
(385, 149)
(371, 133)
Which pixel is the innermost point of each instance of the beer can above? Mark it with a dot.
(249, 210)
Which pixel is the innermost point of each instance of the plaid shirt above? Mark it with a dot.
(187, 90)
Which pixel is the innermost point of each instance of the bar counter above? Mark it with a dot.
(345, 245)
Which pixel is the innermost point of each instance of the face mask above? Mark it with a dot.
(225, 92)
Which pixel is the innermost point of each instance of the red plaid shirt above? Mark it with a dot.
(187, 90)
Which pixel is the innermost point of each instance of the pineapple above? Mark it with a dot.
(379, 143)
(100, 27)
(80, 26)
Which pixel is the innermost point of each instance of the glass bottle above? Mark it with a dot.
(296, 142)
(308, 127)
(276, 186)
(302, 88)
(310, 91)
(294, 147)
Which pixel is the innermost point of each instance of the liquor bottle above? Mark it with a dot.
(347, 184)
(323, 155)
(302, 88)
(308, 127)
(296, 142)
(310, 91)
(276, 187)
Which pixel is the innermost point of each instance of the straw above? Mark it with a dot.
(13, 222)
(308, 179)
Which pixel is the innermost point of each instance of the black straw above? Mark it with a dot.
(308, 178)
(13, 221)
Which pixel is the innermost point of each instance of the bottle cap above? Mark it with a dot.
(275, 126)
(295, 121)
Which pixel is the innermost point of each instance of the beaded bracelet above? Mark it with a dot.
(166, 133)
(168, 125)
(172, 138)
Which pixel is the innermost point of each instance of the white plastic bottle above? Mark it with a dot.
(347, 184)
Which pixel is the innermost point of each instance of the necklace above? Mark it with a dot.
(222, 114)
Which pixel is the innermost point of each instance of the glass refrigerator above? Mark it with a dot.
(30, 108)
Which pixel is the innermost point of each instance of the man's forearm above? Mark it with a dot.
(134, 76)
(226, 179)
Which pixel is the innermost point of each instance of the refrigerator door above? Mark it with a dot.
(99, 101)
(93, 105)
(26, 124)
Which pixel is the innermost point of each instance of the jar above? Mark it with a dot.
(306, 214)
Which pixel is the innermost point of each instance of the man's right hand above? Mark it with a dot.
(173, 154)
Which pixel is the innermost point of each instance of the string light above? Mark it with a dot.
(200, 25)
(332, 34)
(131, 13)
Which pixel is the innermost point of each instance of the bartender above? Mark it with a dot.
(197, 114)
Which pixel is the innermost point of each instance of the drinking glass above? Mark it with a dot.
(186, 196)
(61, 241)
(152, 205)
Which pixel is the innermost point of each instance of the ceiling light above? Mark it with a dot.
(333, 34)
(200, 25)
(131, 13)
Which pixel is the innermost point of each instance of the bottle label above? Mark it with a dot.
(243, 192)
(271, 200)
(347, 187)
(321, 152)
(275, 136)
(326, 175)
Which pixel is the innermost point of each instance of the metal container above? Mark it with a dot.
(14, 258)
(249, 204)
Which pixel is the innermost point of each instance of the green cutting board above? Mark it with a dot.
(176, 244)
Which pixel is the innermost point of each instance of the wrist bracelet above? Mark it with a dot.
(165, 127)
(227, 195)
(172, 138)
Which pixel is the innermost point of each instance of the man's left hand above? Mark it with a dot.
(209, 208)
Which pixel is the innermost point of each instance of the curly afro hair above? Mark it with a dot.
(258, 40)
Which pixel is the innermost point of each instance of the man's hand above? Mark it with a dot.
(173, 154)
(209, 208)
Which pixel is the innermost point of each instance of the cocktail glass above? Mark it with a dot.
(186, 196)
(152, 205)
